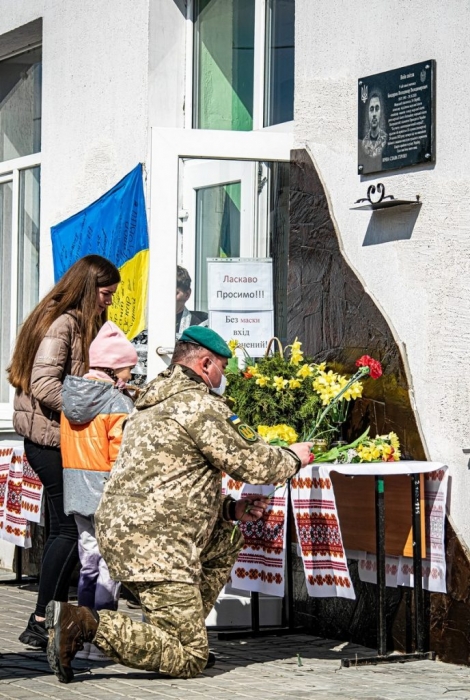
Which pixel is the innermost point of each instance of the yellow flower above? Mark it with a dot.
(262, 380)
(327, 385)
(252, 369)
(365, 453)
(287, 433)
(305, 371)
(278, 432)
(279, 383)
(376, 452)
(394, 441)
(354, 392)
(296, 354)
(294, 384)
(233, 345)
(296, 358)
(264, 430)
(321, 367)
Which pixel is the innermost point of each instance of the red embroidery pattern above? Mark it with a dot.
(14, 497)
(319, 534)
(329, 580)
(306, 482)
(266, 534)
(30, 507)
(438, 475)
(254, 574)
(234, 485)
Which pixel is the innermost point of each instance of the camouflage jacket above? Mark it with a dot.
(163, 497)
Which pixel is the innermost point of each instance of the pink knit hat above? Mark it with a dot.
(111, 348)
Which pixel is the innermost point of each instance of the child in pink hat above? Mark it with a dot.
(94, 408)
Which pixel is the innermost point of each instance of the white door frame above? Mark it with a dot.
(168, 145)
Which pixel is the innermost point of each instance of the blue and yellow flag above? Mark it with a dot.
(115, 226)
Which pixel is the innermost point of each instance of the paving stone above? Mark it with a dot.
(249, 669)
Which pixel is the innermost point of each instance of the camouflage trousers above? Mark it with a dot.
(173, 638)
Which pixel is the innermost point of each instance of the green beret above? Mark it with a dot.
(207, 338)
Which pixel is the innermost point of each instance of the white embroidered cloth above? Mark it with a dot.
(399, 570)
(260, 566)
(261, 563)
(20, 494)
(319, 534)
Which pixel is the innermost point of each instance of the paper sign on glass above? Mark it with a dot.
(240, 283)
(252, 329)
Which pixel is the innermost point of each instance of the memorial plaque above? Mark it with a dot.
(396, 118)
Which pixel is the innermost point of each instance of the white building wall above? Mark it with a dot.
(421, 282)
(94, 101)
(95, 106)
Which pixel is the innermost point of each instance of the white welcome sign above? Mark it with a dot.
(241, 305)
(240, 284)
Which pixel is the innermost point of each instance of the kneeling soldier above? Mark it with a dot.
(162, 524)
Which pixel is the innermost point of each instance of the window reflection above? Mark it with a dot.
(28, 243)
(224, 53)
(217, 230)
(185, 317)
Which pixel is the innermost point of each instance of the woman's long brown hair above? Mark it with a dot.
(76, 290)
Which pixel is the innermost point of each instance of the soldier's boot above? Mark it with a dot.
(70, 626)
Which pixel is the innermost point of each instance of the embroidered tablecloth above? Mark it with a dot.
(20, 494)
(260, 566)
(399, 570)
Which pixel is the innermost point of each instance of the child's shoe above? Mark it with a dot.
(83, 653)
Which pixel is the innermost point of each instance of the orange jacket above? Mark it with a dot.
(91, 424)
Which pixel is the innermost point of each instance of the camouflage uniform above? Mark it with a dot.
(160, 523)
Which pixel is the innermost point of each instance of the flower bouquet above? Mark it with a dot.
(289, 397)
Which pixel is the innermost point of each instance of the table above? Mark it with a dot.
(319, 535)
(325, 559)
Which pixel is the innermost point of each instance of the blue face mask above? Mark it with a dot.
(219, 390)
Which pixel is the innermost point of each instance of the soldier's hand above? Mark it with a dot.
(251, 508)
(302, 450)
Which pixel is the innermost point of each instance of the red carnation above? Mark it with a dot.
(375, 368)
(247, 375)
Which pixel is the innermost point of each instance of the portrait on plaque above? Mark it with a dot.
(395, 118)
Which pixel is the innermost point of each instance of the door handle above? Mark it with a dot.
(164, 351)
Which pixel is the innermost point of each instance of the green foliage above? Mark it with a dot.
(265, 405)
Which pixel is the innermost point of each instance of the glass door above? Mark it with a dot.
(218, 218)
(211, 195)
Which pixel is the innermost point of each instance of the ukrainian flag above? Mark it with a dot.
(114, 226)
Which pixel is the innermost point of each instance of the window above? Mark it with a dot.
(243, 75)
(20, 141)
(20, 105)
(279, 76)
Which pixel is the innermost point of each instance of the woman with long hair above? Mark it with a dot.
(53, 343)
